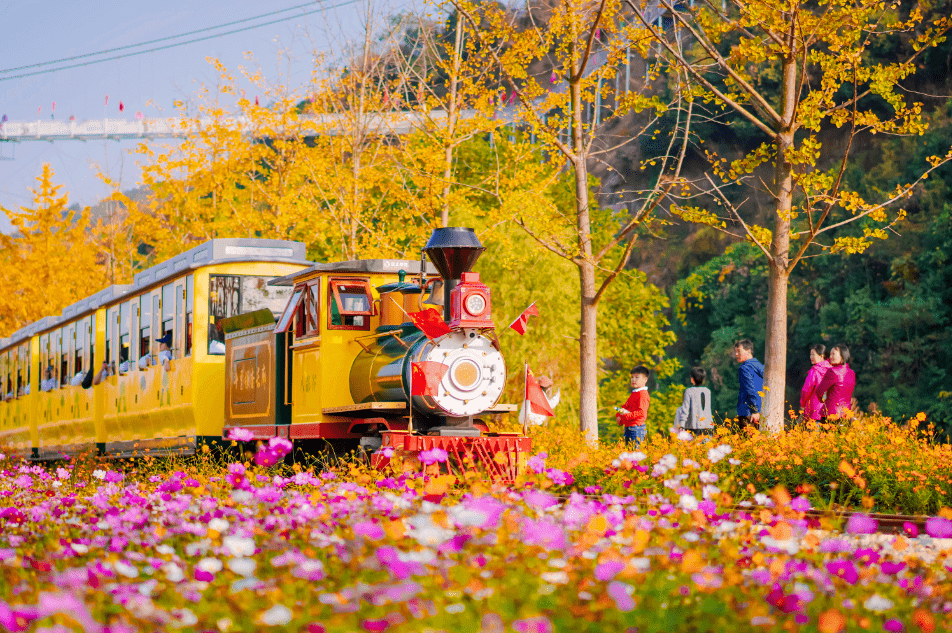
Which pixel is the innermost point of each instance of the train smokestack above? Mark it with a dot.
(453, 250)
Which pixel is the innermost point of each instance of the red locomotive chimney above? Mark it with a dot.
(453, 250)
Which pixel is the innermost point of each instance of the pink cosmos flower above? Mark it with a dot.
(433, 456)
(240, 435)
(280, 446)
(938, 527)
(619, 593)
(893, 625)
(608, 570)
(538, 624)
(369, 529)
(843, 569)
(910, 529)
(861, 524)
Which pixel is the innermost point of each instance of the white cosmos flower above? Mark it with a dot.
(219, 525)
(239, 546)
(878, 603)
(278, 615)
(242, 566)
(211, 565)
(99, 474)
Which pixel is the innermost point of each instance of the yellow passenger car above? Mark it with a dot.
(97, 377)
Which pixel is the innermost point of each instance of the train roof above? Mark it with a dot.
(217, 251)
(366, 266)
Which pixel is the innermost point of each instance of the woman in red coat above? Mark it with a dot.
(809, 398)
(836, 387)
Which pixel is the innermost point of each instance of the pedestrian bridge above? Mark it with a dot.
(387, 123)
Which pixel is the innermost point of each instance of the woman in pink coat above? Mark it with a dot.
(809, 400)
(836, 386)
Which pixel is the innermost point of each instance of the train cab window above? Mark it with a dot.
(351, 304)
(231, 295)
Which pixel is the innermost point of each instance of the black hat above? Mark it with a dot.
(166, 338)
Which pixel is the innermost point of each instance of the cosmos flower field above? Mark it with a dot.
(218, 545)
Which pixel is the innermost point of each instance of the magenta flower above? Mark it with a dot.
(800, 504)
(433, 456)
(910, 529)
(618, 591)
(369, 529)
(240, 435)
(280, 446)
(938, 527)
(861, 524)
(267, 457)
(112, 477)
(891, 568)
(537, 462)
(843, 569)
(893, 625)
(608, 570)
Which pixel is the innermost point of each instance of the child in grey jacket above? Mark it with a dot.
(694, 414)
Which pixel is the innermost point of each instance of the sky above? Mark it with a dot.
(39, 32)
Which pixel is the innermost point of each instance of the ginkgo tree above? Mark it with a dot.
(802, 76)
(49, 262)
(560, 65)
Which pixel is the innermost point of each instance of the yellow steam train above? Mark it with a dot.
(247, 333)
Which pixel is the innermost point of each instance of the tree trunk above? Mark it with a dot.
(775, 354)
(451, 116)
(588, 331)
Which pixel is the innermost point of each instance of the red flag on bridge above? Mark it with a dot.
(430, 323)
(538, 403)
(425, 377)
(519, 325)
(121, 107)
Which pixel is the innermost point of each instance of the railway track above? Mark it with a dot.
(885, 523)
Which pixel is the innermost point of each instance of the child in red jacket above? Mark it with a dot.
(634, 414)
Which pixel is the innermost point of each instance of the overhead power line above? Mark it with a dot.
(161, 39)
(167, 46)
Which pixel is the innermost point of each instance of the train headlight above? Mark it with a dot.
(475, 304)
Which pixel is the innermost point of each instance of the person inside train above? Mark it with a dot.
(123, 359)
(77, 380)
(165, 353)
(106, 371)
(48, 383)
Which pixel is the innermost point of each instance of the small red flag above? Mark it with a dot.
(107, 100)
(121, 107)
(519, 325)
(425, 377)
(538, 403)
(256, 100)
(430, 323)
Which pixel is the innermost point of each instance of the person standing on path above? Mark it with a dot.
(836, 387)
(694, 414)
(809, 398)
(751, 374)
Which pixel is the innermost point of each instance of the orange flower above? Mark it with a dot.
(924, 620)
(831, 621)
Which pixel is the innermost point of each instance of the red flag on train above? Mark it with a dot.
(519, 325)
(425, 377)
(538, 403)
(430, 323)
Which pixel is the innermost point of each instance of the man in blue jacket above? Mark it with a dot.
(751, 374)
